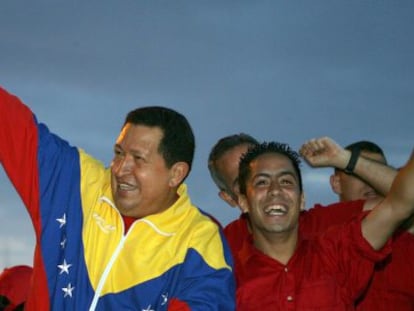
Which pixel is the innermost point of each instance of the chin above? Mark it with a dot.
(124, 209)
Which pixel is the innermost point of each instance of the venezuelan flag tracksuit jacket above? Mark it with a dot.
(176, 260)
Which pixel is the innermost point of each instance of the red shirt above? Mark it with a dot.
(392, 287)
(14, 284)
(326, 273)
(312, 222)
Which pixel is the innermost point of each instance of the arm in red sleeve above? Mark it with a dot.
(18, 147)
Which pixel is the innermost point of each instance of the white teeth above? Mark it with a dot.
(124, 187)
(276, 210)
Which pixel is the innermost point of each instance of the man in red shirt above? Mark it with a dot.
(223, 164)
(392, 286)
(15, 282)
(278, 268)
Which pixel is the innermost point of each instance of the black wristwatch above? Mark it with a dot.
(349, 169)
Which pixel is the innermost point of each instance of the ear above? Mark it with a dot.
(178, 172)
(243, 204)
(335, 181)
(227, 198)
(303, 202)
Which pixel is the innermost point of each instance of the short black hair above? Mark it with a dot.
(178, 142)
(220, 148)
(367, 146)
(364, 145)
(263, 148)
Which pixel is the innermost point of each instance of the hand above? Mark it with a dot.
(324, 152)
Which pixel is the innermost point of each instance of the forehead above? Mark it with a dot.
(134, 135)
(272, 163)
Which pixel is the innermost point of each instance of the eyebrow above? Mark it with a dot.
(131, 151)
(279, 174)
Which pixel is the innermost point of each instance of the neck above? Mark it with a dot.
(279, 246)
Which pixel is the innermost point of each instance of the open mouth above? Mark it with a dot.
(125, 187)
(275, 210)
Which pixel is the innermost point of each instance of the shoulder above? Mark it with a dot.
(238, 227)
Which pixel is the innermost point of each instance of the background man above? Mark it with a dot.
(15, 283)
(392, 287)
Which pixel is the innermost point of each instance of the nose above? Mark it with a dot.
(123, 165)
(274, 188)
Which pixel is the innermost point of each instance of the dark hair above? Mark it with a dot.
(177, 143)
(263, 148)
(365, 145)
(220, 148)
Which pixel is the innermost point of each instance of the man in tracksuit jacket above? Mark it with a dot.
(120, 238)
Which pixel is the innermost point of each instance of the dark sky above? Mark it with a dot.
(278, 70)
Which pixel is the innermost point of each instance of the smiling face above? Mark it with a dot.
(141, 182)
(273, 197)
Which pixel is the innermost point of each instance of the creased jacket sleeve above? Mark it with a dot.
(208, 280)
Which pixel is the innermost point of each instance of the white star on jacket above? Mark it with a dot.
(64, 267)
(68, 290)
(63, 243)
(164, 299)
(62, 221)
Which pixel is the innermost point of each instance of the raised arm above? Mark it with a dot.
(325, 152)
(397, 207)
(18, 145)
(33, 157)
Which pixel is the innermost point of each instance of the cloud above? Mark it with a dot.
(279, 71)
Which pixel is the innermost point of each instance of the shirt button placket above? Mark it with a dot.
(290, 289)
